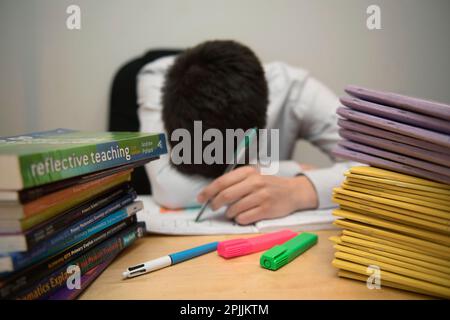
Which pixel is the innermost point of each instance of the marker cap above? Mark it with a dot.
(281, 255)
(239, 247)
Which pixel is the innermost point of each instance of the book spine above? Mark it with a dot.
(48, 228)
(57, 202)
(105, 251)
(86, 279)
(36, 219)
(28, 195)
(41, 168)
(84, 223)
(15, 282)
(65, 293)
(23, 259)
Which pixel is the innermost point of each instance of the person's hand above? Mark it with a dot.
(251, 197)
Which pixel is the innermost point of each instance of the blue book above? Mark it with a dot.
(18, 260)
(18, 281)
(66, 224)
(104, 252)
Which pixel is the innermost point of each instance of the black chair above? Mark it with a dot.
(123, 106)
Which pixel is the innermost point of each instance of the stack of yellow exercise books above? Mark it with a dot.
(398, 224)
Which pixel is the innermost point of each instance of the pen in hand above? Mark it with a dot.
(238, 156)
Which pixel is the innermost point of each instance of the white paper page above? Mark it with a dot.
(300, 221)
(181, 222)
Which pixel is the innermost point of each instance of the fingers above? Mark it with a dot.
(251, 216)
(231, 194)
(225, 182)
(236, 192)
(250, 201)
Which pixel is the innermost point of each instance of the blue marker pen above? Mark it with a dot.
(169, 260)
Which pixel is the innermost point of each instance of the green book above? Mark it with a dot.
(39, 158)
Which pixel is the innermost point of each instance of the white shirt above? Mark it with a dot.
(299, 106)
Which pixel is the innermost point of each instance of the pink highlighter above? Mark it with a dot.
(241, 247)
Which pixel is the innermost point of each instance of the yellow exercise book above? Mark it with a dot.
(358, 206)
(445, 214)
(412, 258)
(397, 227)
(395, 269)
(414, 199)
(400, 184)
(391, 175)
(434, 255)
(393, 189)
(442, 277)
(384, 283)
(401, 241)
(375, 211)
(365, 210)
(392, 250)
(361, 268)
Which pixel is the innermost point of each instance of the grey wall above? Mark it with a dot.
(52, 77)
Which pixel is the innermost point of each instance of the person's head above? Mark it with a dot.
(220, 83)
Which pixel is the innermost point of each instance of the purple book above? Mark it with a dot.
(112, 250)
(362, 128)
(431, 108)
(397, 127)
(425, 165)
(345, 153)
(400, 115)
(394, 146)
(86, 279)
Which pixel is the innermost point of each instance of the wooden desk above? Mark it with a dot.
(310, 276)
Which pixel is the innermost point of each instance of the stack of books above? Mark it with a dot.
(67, 208)
(395, 213)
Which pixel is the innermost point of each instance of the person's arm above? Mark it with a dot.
(170, 188)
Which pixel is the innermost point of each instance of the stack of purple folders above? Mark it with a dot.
(395, 132)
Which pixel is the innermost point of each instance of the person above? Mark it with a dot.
(223, 84)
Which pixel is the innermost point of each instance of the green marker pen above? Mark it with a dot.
(280, 255)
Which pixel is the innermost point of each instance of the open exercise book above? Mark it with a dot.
(181, 221)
